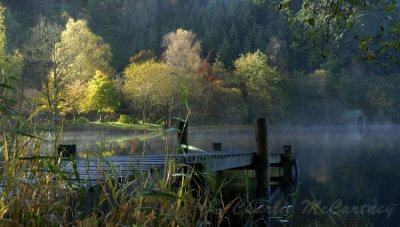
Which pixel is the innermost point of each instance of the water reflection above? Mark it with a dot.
(356, 170)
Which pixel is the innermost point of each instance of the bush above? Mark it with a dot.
(127, 119)
(81, 120)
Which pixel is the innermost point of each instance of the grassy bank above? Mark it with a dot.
(112, 126)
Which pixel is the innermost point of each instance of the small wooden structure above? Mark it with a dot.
(355, 120)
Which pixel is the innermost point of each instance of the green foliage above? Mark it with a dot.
(11, 67)
(150, 89)
(326, 23)
(3, 38)
(72, 97)
(253, 72)
(82, 120)
(82, 52)
(225, 105)
(258, 83)
(101, 94)
(127, 119)
(142, 57)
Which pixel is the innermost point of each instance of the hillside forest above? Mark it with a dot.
(218, 61)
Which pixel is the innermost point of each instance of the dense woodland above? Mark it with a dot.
(220, 61)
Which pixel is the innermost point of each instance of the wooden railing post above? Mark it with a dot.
(262, 170)
(288, 175)
(183, 140)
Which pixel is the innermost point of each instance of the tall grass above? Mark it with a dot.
(32, 191)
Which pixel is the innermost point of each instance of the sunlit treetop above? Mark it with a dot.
(182, 50)
(85, 51)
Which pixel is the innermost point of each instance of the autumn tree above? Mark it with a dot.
(101, 95)
(182, 50)
(83, 51)
(182, 55)
(72, 97)
(57, 57)
(150, 89)
(258, 83)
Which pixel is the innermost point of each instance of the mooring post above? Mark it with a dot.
(67, 150)
(217, 146)
(288, 175)
(219, 175)
(262, 171)
(183, 140)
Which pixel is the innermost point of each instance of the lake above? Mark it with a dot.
(347, 178)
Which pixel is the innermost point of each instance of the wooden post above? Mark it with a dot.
(219, 175)
(262, 170)
(66, 150)
(217, 146)
(288, 175)
(183, 137)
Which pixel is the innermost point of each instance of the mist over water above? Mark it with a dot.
(354, 178)
(340, 168)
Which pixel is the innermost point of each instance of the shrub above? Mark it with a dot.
(127, 119)
(81, 120)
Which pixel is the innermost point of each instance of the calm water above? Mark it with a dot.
(354, 179)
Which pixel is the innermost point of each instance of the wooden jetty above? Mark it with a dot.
(268, 187)
(92, 169)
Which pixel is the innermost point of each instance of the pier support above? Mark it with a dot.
(288, 174)
(219, 175)
(261, 163)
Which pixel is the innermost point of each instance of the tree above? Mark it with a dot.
(39, 51)
(11, 65)
(101, 94)
(182, 50)
(142, 57)
(44, 67)
(258, 83)
(72, 97)
(84, 51)
(150, 89)
(58, 57)
(326, 22)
